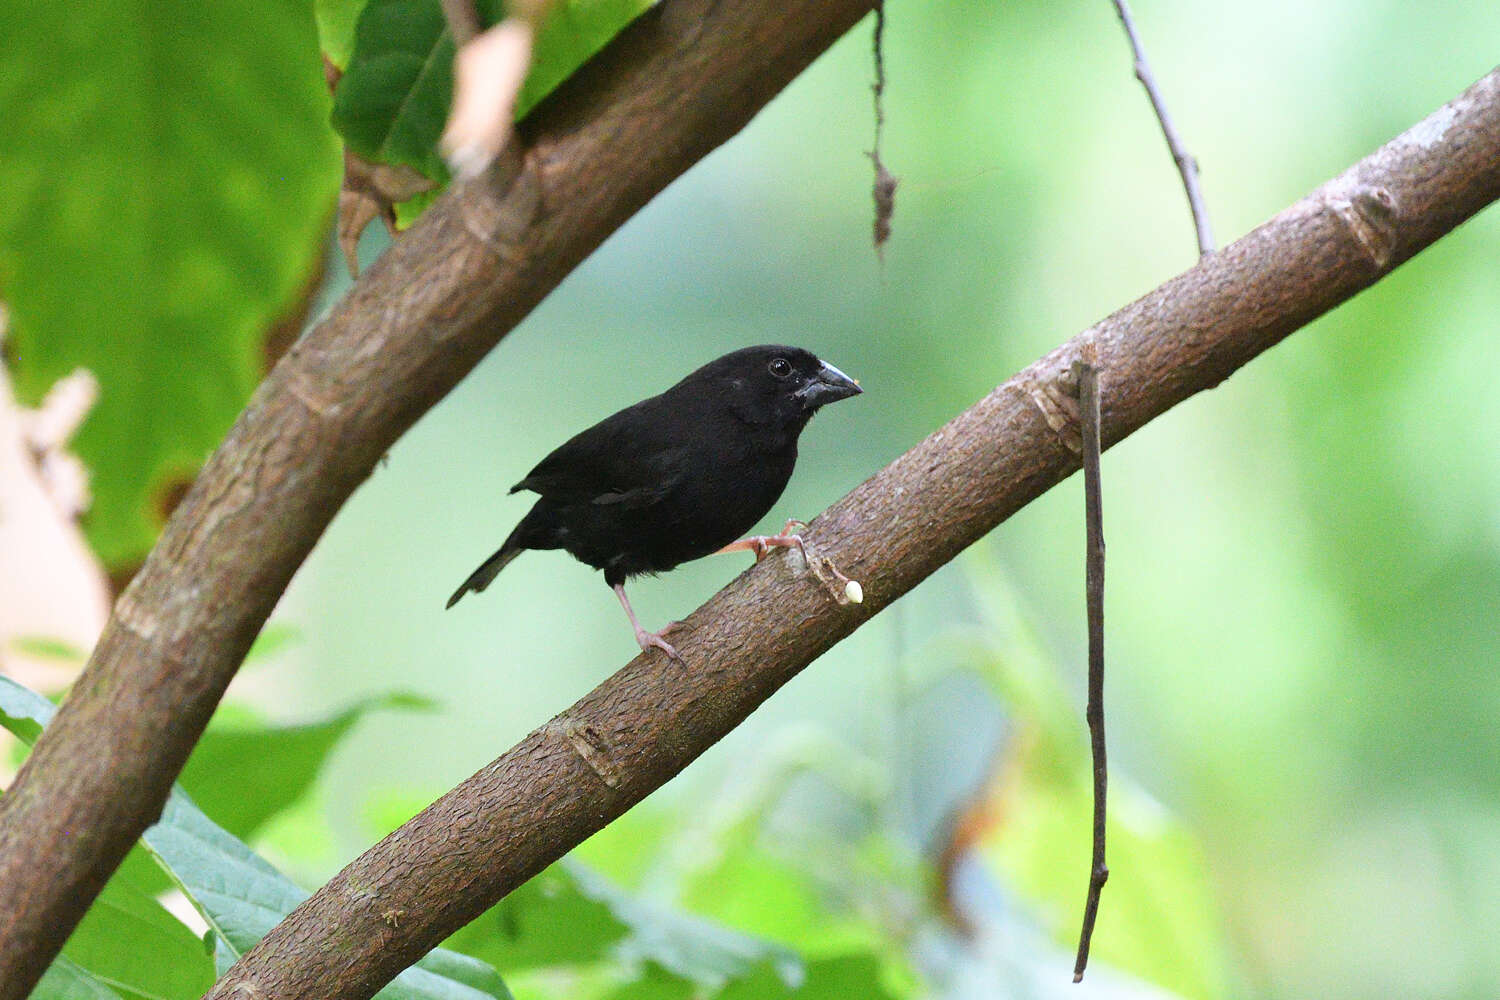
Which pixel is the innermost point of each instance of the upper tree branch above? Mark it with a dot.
(570, 777)
(674, 85)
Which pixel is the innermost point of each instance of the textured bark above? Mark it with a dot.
(673, 86)
(570, 777)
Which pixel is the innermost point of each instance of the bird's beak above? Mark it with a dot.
(829, 385)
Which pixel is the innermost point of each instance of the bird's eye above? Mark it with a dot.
(780, 367)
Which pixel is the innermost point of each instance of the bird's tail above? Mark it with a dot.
(487, 571)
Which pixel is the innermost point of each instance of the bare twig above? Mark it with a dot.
(643, 725)
(884, 188)
(1088, 410)
(1187, 164)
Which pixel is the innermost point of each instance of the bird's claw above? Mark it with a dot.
(761, 545)
(653, 640)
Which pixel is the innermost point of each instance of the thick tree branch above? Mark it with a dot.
(673, 86)
(570, 777)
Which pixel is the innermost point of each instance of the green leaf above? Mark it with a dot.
(656, 983)
(392, 102)
(44, 647)
(130, 942)
(241, 897)
(731, 876)
(168, 177)
(569, 37)
(570, 915)
(66, 981)
(273, 638)
(549, 921)
(23, 711)
(126, 940)
(336, 20)
(238, 893)
(393, 99)
(835, 978)
(685, 945)
(243, 774)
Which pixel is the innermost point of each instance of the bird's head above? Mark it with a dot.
(775, 384)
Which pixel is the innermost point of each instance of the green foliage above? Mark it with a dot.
(336, 21)
(715, 863)
(392, 102)
(572, 32)
(1156, 917)
(127, 945)
(393, 99)
(241, 897)
(127, 941)
(549, 921)
(826, 979)
(570, 917)
(65, 980)
(720, 862)
(243, 772)
(22, 711)
(48, 648)
(168, 177)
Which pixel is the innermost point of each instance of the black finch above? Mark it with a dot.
(677, 476)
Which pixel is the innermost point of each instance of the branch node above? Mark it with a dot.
(317, 402)
(1057, 398)
(510, 203)
(1370, 214)
(131, 617)
(840, 587)
(590, 746)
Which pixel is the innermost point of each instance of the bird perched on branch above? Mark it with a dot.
(677, 476)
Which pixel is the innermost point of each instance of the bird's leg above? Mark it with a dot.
(646, 639)
(761, 544)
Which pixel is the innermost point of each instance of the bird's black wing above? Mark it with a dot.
(630, 460)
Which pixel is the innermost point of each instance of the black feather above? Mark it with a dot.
(676, 476)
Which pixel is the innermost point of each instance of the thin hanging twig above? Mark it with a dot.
(1088, 405)
(884, 189)
(1187, 164)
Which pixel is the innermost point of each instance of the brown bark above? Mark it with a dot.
(673, 86)
(573, 775)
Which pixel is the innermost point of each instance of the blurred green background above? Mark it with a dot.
(1304, 563)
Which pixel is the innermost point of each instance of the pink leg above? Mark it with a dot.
(646, 639)
(761, 544)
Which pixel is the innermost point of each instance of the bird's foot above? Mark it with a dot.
(762, 544)
(645, 639)
(653, 640)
